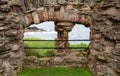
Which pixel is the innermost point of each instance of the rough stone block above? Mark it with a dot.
(62, 2)
(28, 19)
(57, 60)
(116, 51)
(36, 17)
(3, 2)
(2, 17)
(15, 47)
(51, 13)
(3, 28)
(15, 2)
(45, 15)
(12, 33)
(48, 2)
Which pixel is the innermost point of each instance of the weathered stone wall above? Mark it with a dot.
(64, 13)
(75, 11)
(11, 44)
(102, 16)
(74, 59)
(105, 38)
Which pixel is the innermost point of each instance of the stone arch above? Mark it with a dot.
(63, 14)
(102, 16)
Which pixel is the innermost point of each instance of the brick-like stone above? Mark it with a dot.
(35, 17)
(15, 47)
(15, 2)
(12, 33)
(2, 17)
(28, 19)
(3, 28)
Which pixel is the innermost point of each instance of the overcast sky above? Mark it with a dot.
(78, 32)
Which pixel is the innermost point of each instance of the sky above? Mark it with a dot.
(78, 32)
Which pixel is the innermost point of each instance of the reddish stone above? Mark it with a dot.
(69, 7)
(57, 16)
(29, 19)
(45, 15)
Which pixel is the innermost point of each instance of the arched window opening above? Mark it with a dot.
(80, 36)
(43, 30)
(36, 39)
(40, 39)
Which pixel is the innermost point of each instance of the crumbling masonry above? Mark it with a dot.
(102, 16)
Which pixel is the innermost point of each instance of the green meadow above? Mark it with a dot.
(46, 52)
(55, 71)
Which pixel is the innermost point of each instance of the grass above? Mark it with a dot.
(81, 46)
(44, 52)
(38, 52)
(55, 71)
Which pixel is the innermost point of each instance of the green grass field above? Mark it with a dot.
(56, 72)
(47, 52)
(44, 52)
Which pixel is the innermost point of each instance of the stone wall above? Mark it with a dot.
(105, 38)
(74, 59)
(76, 11)
(11, 44)
(102, 16)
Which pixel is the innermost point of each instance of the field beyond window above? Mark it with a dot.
(47, 44)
